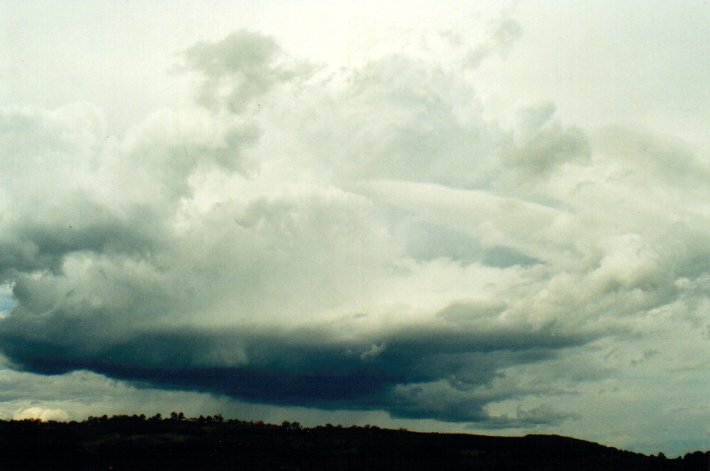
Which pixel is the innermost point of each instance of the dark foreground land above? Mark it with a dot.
(134, 442)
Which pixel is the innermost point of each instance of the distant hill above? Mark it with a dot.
(156, 443)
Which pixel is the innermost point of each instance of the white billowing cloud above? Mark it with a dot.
(502, 34)
(239, 69)
(365, 238)
(542, 144)
(39, 413)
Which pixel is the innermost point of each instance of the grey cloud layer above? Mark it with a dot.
(361, 239)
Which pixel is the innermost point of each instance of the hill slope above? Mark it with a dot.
(134, 442)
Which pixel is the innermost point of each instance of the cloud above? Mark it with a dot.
(503, 32)
(239, 69)
(81, 393)
(363, 239)
(293, 367)
(543, 144)
(42, 414)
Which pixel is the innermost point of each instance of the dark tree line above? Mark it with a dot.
(212, 442)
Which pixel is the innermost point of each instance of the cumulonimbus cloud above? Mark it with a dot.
(365, 239)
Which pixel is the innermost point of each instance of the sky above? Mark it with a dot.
(478, 217)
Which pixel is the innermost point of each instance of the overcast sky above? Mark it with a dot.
(449, 216)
